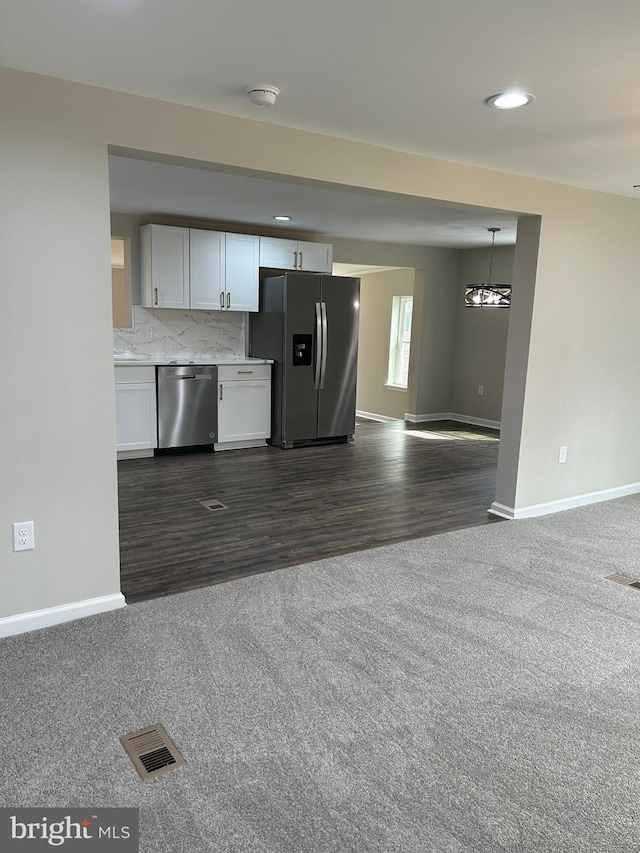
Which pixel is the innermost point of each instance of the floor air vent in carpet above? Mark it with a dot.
(624, 579)
(152, 751)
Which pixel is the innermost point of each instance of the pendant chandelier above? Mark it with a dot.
(488, 295)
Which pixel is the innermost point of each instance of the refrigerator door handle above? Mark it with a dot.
(323, 368)
(317, 370)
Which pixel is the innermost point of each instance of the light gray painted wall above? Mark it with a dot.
(525, 271)
(432, 340)
(57, 416)
(480, 347)
(376, 300)
(379, 254)
(572, 353)
(434, 314)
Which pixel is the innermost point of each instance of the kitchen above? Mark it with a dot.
(211, 271)
(172, 333)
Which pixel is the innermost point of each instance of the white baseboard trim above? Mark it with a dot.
(549, 507)
(419, 419)
(468, 419)
(373, 417)
(238, 445)
(502, 510)
(135, 454)
(452, 416)
(23, 622)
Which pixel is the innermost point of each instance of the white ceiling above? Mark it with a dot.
(410, 75)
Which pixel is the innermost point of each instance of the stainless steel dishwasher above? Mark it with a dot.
(187, 405)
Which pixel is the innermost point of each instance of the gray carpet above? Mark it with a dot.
(474, 691)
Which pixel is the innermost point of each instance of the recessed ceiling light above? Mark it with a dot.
(282, 218)
(509, 100)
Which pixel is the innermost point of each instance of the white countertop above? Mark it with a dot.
(217, 359)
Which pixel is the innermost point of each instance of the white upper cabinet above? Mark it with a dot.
(295, 255)
(165, 266)
(194, 268)
(207, 254)
(242, 268)
(315, 257)
(279, 254)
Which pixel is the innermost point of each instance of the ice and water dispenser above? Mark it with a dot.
(302, 350)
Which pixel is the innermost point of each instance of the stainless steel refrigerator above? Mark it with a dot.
(308, 325)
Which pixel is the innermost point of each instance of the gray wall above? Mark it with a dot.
(480, 346)
(432, 334)
(57, 421)
(376, 300)
(436, 281)
(454, 348)
(572, 354)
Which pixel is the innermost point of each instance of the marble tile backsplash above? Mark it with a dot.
(171, 333)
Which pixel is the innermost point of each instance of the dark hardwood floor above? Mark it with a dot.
(395, 482)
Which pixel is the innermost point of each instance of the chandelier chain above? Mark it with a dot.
(493, 243)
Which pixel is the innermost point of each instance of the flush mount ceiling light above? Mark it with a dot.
(488, 295)
(262, 95)
(509, 100)
(282, 218)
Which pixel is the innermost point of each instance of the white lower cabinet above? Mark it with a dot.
(136, 424)
(244, 406)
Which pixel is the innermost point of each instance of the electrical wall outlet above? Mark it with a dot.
(562, 455)
(480, 390)
(23, 536)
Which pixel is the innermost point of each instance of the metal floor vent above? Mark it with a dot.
(152, 751)
(624, 579)
(213, 505)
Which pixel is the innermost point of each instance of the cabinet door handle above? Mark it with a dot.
(228, 299)
(245, 371)
(221, 300)
(221, 391)
(300, 265)
(295, 260)
(155, 295)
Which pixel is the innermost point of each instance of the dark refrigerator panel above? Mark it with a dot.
(308, 325)
(337, 395)
(300, 396)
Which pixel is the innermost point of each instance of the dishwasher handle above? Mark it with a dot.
(191, 376)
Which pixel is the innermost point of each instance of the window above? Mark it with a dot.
(121, 283)
(400, 343)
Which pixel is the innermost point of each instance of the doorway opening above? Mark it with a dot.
(420, 475)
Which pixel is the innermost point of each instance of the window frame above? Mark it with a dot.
(399, 341)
